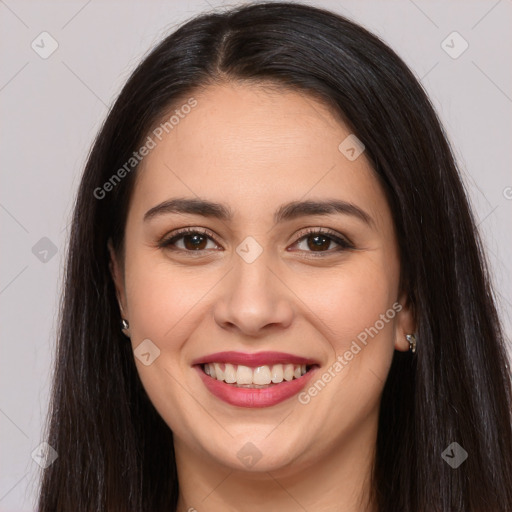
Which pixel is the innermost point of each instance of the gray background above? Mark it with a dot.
(52, 108)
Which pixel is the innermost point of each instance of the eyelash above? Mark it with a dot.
(343, 243)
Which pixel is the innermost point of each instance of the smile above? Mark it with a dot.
(254, 380)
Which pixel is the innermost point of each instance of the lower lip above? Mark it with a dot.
(255, 397)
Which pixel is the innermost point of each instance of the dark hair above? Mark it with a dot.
(116, 452)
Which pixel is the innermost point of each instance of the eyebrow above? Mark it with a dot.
(285, 212)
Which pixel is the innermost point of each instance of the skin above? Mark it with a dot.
(255, 149)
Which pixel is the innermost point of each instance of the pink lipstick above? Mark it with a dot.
(243, 390)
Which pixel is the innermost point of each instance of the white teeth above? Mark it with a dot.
(261, 375)
(288, 372)
(277, 373)
(229, 374)
(219, 373)
(242, 375)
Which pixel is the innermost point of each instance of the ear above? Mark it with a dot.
(117, 276)
(405, 324)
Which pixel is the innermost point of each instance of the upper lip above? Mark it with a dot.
(255, 359)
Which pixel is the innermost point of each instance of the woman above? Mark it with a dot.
(276, 297)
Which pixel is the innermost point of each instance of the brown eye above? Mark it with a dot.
(189, 241)
(194, 242)
(320, 241)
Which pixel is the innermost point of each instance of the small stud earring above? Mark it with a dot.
(124, 327)
(411, 338)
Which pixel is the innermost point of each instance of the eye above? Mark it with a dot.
(188, 240)
(315, 240)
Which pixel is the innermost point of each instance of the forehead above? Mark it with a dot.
(255, 147)
(270, 124)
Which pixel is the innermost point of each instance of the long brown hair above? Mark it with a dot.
(116, 452)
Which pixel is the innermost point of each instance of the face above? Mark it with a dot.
(293, 268)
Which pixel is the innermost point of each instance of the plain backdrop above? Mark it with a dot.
(51, 109)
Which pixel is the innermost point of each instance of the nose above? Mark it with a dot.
(254, 300)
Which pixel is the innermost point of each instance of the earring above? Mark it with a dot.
(124, 327)
(411, 338)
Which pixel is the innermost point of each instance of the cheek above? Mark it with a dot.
(164, 304)
(351, 298)
(162, 299)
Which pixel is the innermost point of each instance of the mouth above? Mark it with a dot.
(254, 380)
